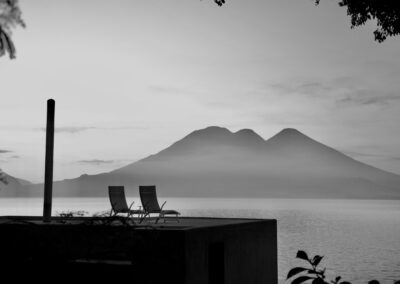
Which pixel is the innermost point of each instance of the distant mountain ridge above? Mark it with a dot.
(215, 162)
(13, 187)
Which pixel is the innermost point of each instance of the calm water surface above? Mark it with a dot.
(360, 239)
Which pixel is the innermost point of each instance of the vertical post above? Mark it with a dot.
(48, 168)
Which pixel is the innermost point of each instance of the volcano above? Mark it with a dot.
(215, 162)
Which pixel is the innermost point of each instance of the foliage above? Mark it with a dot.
(314, 274)
(101, 218)
(66, 215)
(10, 17)
(72, 214)
(110, 218)
(385, 12)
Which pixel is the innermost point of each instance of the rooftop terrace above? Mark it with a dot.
(195, 250)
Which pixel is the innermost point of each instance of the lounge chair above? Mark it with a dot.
(118, 202)
(148, 196)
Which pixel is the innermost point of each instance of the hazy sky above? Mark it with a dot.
(131, 77)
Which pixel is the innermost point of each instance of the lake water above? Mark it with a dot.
(360, 239)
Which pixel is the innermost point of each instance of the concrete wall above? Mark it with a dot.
(250, 253)
(240, 253)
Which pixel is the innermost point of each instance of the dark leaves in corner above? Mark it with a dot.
(384, 13)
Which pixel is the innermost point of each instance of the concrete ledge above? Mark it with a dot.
(195, 250)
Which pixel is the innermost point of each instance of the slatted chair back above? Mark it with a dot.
(118, 199)
(148, 196)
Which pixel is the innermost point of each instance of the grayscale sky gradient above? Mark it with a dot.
(131, 77)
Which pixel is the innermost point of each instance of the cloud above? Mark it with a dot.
(342, 91)
(307, 88)
(222, 104)
(6, 158)
(352, 92)
(71, 130)
(174, 91)
(100, 162)
(362, 154)
(96, 162)
(78, 129)
(371, 155)
(166, 89)
(365, 98)
(123, 128)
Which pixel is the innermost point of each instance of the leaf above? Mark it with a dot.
(337, 279)
(6, 44)
(301, 279)
(322, 272)
(302, 255)
(2, 43)
(317, 259)
(295, 271)
(318, 281)
(11, 46)
(219, 2)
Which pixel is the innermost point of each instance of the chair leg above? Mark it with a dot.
(162, 216)
(129, 218)
(142, 217)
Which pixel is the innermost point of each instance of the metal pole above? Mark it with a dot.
(48, 168)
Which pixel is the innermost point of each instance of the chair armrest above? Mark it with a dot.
(162, 206)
